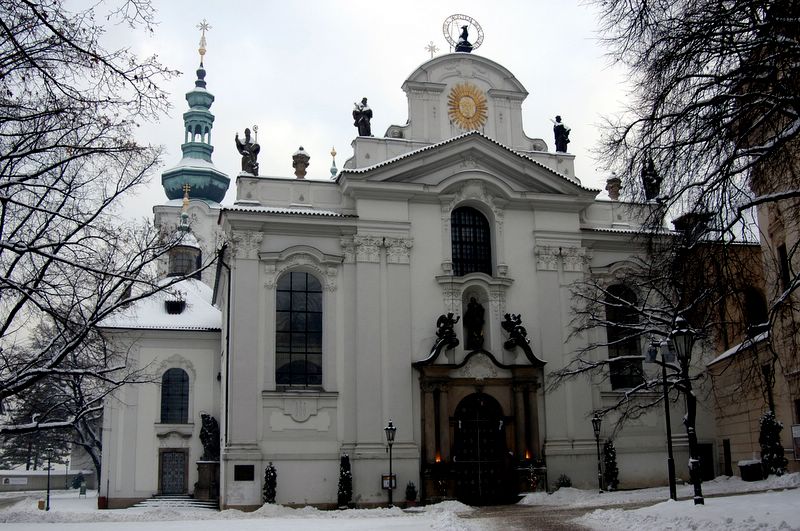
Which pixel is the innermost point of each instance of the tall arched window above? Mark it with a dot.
(623, 339)
(175, 397)
(298, 330)
(471, 242)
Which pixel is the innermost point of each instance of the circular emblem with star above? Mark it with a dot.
(452, 29)
(467, 106)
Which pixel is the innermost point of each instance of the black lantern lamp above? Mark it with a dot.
(682, 339)
(390, 431)
(596, 421)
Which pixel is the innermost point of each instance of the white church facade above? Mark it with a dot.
(326, 315)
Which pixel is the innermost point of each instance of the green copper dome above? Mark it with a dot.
(196, 168)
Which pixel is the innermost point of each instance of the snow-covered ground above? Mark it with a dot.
(73, 513)
(569, 497)
(731, 508)
(769, 510)
(732, 511)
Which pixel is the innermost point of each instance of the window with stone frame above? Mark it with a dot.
(471, 242)
(175, 397)
(298, 330)
(623, 339)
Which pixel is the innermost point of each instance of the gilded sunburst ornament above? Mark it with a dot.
(467, 106)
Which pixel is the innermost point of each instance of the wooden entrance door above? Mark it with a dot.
(481, 463)
(173, 469)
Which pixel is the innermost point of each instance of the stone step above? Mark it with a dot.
(176, 502)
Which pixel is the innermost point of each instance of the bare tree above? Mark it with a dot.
(713, 109)
(68, 109)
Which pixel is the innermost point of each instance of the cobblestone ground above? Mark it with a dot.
(529, 517)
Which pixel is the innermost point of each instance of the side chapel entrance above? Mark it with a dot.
(173, 471)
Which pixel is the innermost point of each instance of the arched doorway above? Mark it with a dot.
(481, 463)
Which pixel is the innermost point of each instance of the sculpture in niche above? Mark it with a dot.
(561, 132)
(473, 325)
(249, 152)
(650, 180)
(209, 436)
(517, 335)
(362, 115)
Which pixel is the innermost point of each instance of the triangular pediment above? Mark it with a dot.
(470, 156)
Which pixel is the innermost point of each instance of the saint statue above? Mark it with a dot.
(362, 115)
(650, 180)
(463, 44)
(473, 325)
(561, 133)
(249, 151)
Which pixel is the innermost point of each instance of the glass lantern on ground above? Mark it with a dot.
(683, 338)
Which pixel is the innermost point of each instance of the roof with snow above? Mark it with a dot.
(744, 346)
(151, 313)
(415, 152)
(302, 211)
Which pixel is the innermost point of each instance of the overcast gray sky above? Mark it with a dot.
(295, 69)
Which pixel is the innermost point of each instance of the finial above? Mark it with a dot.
(255, 134)
(203, 27)
(334, 170)
(186, 188)
(300, 162)
(432, 48)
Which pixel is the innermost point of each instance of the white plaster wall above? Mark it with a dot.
(130, 448)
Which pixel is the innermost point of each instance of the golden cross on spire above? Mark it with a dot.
(432, 48)
(203, 27)
(186, 188)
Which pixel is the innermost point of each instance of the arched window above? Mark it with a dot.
(471, 242)
(623, 339)
(175, 397)
(298, 330)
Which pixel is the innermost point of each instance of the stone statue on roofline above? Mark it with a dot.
(463, 44)
(249, 152)
(650, 180)
(362, 115)
(561, 133)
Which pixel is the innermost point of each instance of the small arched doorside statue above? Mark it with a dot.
(249, 152)
(561, 133)
(362, 115)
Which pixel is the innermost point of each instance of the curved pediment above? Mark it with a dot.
(445, 68)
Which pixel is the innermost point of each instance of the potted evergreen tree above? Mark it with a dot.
(270, 483)
(411, 494)
(345, 493)
(611, 474)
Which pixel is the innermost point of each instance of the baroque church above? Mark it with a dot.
(426, 284)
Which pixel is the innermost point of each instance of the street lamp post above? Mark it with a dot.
(596, 420)
(666, 356)
(390, 432)
(66, 475)
(683, 339)
(47, 505)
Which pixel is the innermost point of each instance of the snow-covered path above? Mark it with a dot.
(731, 509)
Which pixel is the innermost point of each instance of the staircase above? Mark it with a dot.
(177, 501)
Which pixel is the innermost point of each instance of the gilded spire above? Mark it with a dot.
(203, 27)
(333, 163)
